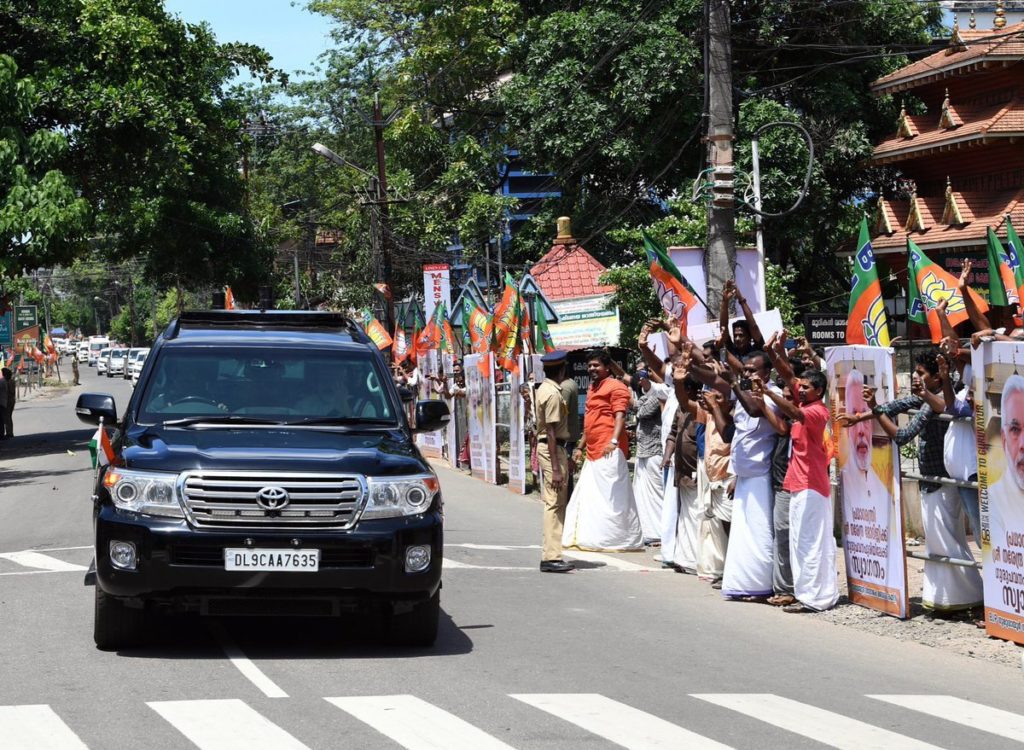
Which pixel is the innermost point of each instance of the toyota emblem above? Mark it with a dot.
(272, 498)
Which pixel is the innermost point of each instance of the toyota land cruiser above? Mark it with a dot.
(264, 465)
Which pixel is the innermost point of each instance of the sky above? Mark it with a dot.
(290, 33)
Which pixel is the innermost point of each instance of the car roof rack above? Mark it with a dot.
(261, 319)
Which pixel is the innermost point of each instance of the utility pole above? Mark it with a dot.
(131, 310)
(720, 258)
(382, 202)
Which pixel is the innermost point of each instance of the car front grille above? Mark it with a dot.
(225, 499)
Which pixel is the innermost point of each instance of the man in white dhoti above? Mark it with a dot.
(602, 512)
(648, 484)
(812, 548)
(748, 565)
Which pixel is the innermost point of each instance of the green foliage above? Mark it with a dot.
(778, 286)
(41, 219)
(152, 134)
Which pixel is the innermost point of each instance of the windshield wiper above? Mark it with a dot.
(340, 421)
(220, 419)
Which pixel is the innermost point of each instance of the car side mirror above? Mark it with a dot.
(406, 394)
(92, 406)
(431, 415)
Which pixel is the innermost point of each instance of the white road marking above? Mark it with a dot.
(31, 559)
(618, 722)
(973, 715)
(495, 546)
(610, 560)
(245, 665)
(451, 564)
(30, 572)
(826, 727)
(35, 728)
(62, 549)
(417, 725)
(225, 725)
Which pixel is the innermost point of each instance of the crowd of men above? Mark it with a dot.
(731, 479)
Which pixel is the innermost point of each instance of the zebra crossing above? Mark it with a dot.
(416, 724)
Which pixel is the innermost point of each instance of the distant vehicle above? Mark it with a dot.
(102, 360)
(116, 362)
(129, 358)
(137, 363)
(83, 351)
(96, 345)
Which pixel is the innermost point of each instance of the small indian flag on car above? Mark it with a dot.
(100, 450)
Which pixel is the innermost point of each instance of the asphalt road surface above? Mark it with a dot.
(617, 654)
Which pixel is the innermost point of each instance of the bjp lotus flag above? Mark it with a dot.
(677, 297)
(446, 336)
(866, 322)
(507, 317)
(375, 330)
(48, 343)
(229, 299)
(1004, 288)
(927, 286)
(401, 345)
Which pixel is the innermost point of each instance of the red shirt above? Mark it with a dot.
(604, 399)
(808, 466)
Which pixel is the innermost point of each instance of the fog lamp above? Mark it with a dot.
(417, 558)
(122, 555)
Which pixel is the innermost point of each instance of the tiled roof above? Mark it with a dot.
(979, 45)
(569, 272)
(979, 210)
(975, 123)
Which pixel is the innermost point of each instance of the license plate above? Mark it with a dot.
(287, 560)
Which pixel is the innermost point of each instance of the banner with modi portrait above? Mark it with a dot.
(869, 481)
(999, 430)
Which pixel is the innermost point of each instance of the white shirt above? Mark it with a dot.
(754, 441)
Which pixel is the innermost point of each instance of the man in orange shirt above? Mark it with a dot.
(602, 511)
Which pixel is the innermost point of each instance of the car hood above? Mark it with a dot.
(373, 453)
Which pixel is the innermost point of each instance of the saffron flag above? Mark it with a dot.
(676, 296)
(524, 324)
(506, 342)
(401, 345)
(927, 286)
(544, 342)
(375, 330)
(384, 289)
(479, 331)
(1003, 287)
(445, 335)
(866, 322)
(48, 343)
(229, 299)
(467, 314)
(100, 449)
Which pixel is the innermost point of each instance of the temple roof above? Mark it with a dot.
(569, 272)
(977, 210)
(974, 124)
(978, 47)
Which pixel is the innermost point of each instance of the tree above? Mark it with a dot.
(152, 131)
(41, 219)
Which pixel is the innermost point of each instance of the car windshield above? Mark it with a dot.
(279, 385)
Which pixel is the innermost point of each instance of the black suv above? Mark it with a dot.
(265, 466)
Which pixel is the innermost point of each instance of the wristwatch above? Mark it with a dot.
(877, 410)
(615, 442)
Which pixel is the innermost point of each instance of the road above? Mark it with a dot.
(617, 654)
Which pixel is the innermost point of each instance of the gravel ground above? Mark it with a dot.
(954, 632)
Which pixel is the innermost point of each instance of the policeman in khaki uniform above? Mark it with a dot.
(552, 434)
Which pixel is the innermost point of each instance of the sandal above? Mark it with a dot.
(781, 600)
(795, 608)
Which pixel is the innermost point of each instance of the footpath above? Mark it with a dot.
(957, 632)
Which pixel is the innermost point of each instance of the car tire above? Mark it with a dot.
(418, 627)
(115, 625)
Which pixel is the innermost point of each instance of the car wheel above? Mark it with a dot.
(418, 627)
(115, 625)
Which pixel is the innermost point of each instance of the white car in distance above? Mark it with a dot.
(136, 364)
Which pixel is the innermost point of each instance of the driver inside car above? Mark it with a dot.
(326, 395)
(185, 382)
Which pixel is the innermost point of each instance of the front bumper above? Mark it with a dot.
(182, 568)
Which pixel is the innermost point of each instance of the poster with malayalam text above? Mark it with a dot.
(868, 468)
(531, 372)
(431, 444)
(999, 429)
(483, 451)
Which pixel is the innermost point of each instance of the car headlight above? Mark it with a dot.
(390, 497)
(149, 492)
